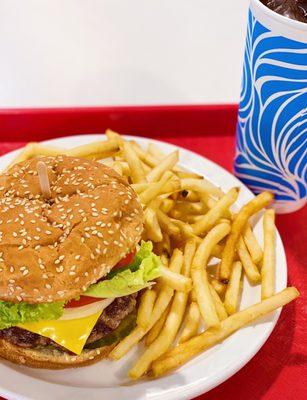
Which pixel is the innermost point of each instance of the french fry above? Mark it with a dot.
(123, 165)
(91, 149)
(187, 174)
(188, 255)
(115, 137)
(199, 274)
(41, 150)
(165, 165)
(192, 322)
(186, 207)
(152, 226)
(135, 165)
(163, 299)
(169, 187)
(146, 168)
(219, 306)
(117, 166)
(201, 186)
(218, 286)
(156, 329)
(164, 246)
(145, 307)
(167, 205)
(167, 224)
(217, 251)
(251, 208)
(189, 195)
(210, 202)
(268, 265)
(155, 189)
(165, 260)
(155, 151)
(175, 281)
(252, 244)
(26, 153)
(165, 338)
(186, 230)
(190, 219)
(216, 212)
(140, 187)
(233, 289)
(185, 351)
(250, 268)
(146, 157)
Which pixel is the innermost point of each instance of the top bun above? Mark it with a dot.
(52, 250)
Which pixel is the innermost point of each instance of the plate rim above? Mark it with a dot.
(196, 387)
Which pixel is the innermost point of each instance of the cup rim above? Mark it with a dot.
(278, 17)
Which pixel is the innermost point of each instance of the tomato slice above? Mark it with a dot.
(83, 301)
(126, 261)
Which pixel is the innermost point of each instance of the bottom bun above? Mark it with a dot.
(49, 358)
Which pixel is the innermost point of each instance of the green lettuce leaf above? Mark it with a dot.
(16, 313)
(144, 268)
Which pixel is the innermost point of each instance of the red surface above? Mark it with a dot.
(279, 370)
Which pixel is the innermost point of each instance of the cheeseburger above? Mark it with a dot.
(71, 261)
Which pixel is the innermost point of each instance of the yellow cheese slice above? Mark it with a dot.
(71, 334)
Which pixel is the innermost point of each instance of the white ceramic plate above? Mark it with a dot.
(107, 379)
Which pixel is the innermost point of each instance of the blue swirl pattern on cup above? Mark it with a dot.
(271, 149)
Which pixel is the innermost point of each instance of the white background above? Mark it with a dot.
(118, 52)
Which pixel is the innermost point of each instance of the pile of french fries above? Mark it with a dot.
(205, 248)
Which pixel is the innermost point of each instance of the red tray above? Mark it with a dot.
(279, 370)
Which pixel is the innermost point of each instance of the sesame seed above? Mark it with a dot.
(47, 286)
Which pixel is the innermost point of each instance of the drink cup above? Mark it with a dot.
(271, 142)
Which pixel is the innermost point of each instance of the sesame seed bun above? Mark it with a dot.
(52, 250)
(48, 358)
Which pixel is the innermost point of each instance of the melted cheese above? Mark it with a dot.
(71, 334)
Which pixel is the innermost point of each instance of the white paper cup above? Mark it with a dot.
(271, 152)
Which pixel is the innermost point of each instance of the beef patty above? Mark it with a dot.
(109, 320)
